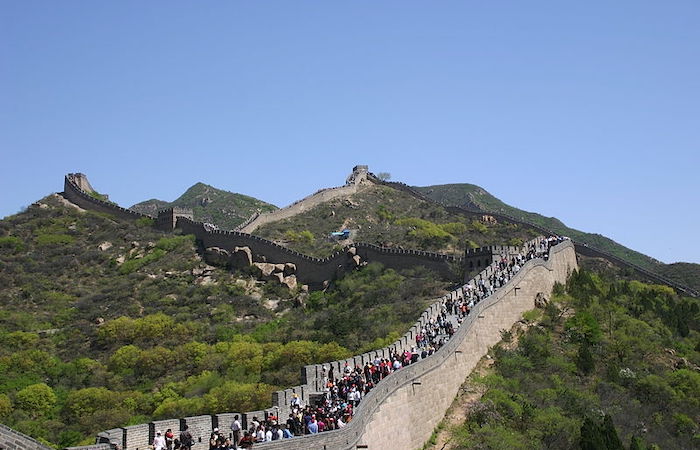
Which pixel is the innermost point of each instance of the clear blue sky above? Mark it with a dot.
(587, 111)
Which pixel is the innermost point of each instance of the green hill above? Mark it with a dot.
(473, 197)
(108, 323)
(470, 196)
(617, 353)
(222, 208)
(389, 217)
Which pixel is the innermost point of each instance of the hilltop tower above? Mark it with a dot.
(81, 180)
(167, 218)
(358, 175)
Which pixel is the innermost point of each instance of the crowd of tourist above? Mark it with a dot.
(344, 391)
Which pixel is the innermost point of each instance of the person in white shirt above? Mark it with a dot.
(236, 429)
(159, 442)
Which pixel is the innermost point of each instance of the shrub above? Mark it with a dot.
(12, 243)
(478, 226)
(45, 240)
(133, 265)
(145, 222)
(171, 243)
(454, 228)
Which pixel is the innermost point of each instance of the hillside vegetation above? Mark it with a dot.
(607, 362)
(108, 323)
(469, 196)
(391, 218)
(222, 208)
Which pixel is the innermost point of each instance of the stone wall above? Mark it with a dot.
(403, 409)
(14, 440)
(314, 271)
(73, 193)
(310, 270)
(298, 207)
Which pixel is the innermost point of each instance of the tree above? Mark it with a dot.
(36, 399)
(591, 436)
(612, 440)
(599, 436)
(384, 176)
(5, 406)
(636, 443)
(584, 360)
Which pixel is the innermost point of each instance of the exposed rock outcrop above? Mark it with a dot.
(217, 256)
(241, 258)
(541, 301)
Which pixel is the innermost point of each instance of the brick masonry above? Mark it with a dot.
(14, 440)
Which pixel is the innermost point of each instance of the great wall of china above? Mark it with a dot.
(388, 416)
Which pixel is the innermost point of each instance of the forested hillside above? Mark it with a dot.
(390, 218)
(608, 364)
(469, 196)
(107, 323)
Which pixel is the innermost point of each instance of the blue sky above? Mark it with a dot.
(587, 111)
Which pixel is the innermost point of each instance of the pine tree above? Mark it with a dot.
(636, 444)
(612, 440)
(592, 436)
(584, 360)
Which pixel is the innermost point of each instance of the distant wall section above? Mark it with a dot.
(355, 181)
(72, 191)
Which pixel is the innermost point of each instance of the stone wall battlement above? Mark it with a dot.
(389, 415)
(73, 193)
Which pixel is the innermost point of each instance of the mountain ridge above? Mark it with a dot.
(209, 204)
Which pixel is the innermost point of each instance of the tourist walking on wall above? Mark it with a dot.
(236, 429)
(159, 442)
(169, 439)
(186, 439)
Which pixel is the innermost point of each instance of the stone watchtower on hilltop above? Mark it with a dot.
(167, 218)
(358, 175)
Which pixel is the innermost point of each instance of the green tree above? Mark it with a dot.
(84, 402)
(612, 440)
(36, 399)
(5, 406)
(592, 435)
(636, 443)
(584, 359)
(233, 396)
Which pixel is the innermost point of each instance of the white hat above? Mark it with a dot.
(215, 430)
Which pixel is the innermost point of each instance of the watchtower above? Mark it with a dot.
(167, 218)
(477, 259)
(358, 175)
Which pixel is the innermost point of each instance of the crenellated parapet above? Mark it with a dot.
(73, 191)
(403, 409)
(167, 218)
